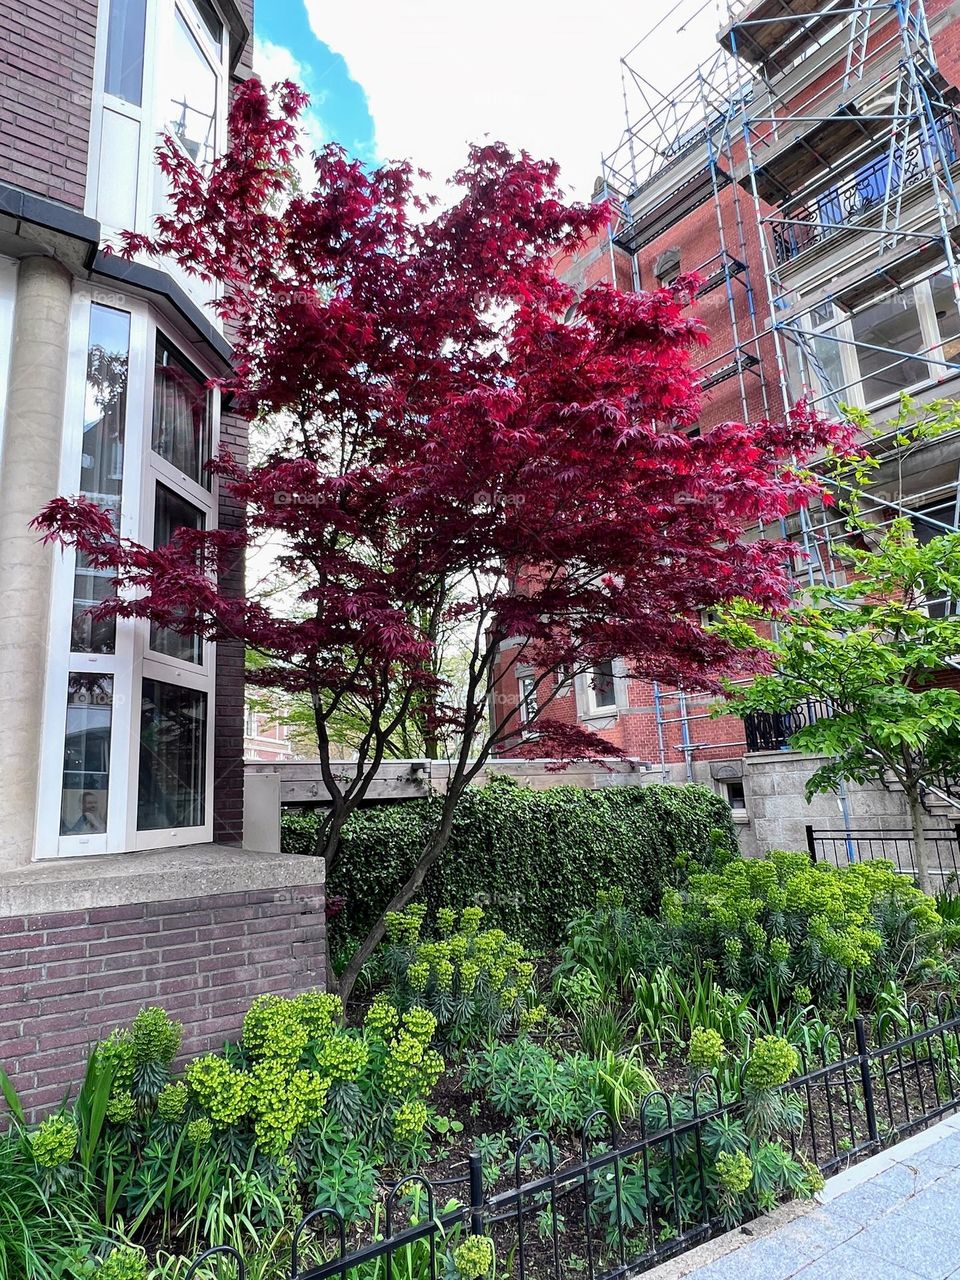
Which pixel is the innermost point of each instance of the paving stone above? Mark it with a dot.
(848, 1262)
(908, 1242)
(910, 1176)
(863, 1203)
(816, 1233)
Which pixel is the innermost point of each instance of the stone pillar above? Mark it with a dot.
(29, 474)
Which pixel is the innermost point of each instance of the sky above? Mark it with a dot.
(420, 79)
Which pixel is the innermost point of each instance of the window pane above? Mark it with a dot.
(181, 413)
(948, 318)
(212, 24)
(895, 325)
(192, 108)
(171, 513)
(173, 733)
(604, 691)
(101, 463)
(86, 754)
(927, 525)
(124, 70)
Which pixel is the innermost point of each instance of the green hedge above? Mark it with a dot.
(531, 858)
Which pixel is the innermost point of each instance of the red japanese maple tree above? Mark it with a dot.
(446, 449)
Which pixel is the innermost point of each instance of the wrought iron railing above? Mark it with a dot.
(772, 730)
(631, 1198)
(842, 847)
(802, 225)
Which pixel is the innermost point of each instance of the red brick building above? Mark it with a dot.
(122, 878)
(807, 173)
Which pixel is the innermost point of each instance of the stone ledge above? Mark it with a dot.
(157, 875)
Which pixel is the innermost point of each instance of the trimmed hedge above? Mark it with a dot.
(532, 859)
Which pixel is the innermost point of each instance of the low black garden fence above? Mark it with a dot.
(840, 848)
(616, 1202)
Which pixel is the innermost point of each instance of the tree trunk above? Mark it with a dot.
(399, 900)
(922, 851)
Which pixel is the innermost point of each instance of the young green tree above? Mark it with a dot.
(873, 653)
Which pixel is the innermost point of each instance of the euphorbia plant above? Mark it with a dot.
(446, 451)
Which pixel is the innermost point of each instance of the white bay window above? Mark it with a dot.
(129, 705)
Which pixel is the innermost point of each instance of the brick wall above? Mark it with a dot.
(46, 87)
(228, 724)
(72, 976)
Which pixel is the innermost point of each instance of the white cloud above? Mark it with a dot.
(438, 74)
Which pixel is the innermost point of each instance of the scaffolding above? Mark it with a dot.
(827, 141)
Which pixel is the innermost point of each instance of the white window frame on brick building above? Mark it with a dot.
(833, 333)
(115, 681)
(125, 188)
(593, 707)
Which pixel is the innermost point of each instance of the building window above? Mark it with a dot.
(124, 680)
(867, 357)
(736, 797)
(928, 524)
(171, 514)
(101, 464)
(181, 413)
(173, 754)
(527, 704)
(193, 86)
(126, 29)
(86, 755)
(666, 269)
(601, 689)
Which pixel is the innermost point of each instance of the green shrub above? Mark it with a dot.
(780, 926)
(530, 858)
(474, 981)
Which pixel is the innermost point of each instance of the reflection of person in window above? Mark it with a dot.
(90, 819)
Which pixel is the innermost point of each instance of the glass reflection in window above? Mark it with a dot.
(123, 73)
(181, 413)
(173, 733)
(101, 464)
(192, 108)
(894, 325)
(171, 512)
(86, 754)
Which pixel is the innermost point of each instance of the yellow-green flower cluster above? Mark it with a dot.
(126, 1262)
(115, 1054)
(734, 1171)
(412, 1068)
(446, 921)
(382, 1019)
(121, 1108)
(281, 1101)
(199, 1131)
(474, 1258)
(404, 926)
(706, 1048)
(54, 1141)
(409, 1121)
(531, 1018)
(219, 1089)
(172, 1102)
(342, 1057)
(771, 1063)
(155, 1037)
(273, 1028)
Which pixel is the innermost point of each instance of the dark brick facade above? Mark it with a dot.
(46, 91)
(228, 723)
(71, 977)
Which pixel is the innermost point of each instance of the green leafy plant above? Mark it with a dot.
(475, 982)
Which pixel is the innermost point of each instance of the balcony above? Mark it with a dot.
(772, 730)
(883, 180)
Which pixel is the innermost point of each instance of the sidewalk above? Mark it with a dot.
(893, 1217)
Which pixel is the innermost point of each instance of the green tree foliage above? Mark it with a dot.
(530, 858)
(873, 653)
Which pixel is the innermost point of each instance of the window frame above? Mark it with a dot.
(132, 660)
(592, 707)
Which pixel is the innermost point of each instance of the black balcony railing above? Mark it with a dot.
(772, 730)
(842, 847)
(803, 225)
